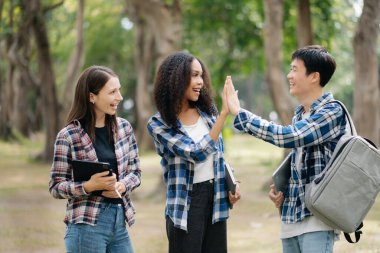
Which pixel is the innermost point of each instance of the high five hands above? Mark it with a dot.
(231, 96)
(231, 105)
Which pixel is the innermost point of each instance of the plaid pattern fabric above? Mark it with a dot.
(72, 142)
(179, 154)
(317, 135)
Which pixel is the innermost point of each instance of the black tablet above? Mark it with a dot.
(83, 170)
(230, 179)
(282, 174)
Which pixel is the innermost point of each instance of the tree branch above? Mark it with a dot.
(53, 6)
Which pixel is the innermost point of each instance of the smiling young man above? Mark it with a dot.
(313, 135)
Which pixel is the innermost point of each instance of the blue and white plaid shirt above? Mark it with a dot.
(317, 135)
(179, 155)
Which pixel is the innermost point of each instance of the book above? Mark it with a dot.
(83, 170)
(230, 179)
(282, 174)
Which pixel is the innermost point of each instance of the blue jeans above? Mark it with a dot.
(109, 235)
(314, 242)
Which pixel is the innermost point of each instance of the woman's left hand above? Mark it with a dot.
(235, 197)
(120, 187)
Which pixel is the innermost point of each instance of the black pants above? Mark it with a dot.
(202, 236)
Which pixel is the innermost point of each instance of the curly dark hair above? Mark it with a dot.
(172, 79)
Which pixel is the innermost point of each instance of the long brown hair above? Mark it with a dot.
(92, 80)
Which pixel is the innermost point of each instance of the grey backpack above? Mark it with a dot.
(343, 194)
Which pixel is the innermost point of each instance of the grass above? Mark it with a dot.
(31, 220)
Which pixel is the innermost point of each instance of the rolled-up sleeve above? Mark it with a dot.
(169, 140)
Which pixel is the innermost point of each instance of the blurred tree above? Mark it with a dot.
(275, 76)
(7, 71)
(304, 28)
(366, 93)
(229, 40)
(26, 20)
(158, 32)
(22, 81)
(75, 64)
(45, 75)
(20, 85)
(108, 40)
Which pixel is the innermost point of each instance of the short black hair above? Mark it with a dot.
(316, 59)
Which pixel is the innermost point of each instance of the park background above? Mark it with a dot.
(45, 44)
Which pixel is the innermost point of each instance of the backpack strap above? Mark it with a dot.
(350, 121)
(358, 232)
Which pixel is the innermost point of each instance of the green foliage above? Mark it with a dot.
(290, 30)
(226, 35)
(323, 27)
(106, 42)
(343, 20)
(227, 38)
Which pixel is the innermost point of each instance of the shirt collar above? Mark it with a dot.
(323, 99)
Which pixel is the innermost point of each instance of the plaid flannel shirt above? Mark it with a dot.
(73, 142)
(317, 135)
(179, 155)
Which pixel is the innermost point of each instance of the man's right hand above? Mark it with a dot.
(275, 196)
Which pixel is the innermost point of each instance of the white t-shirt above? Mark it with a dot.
(202, 171)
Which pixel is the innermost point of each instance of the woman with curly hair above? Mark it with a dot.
(186, 132)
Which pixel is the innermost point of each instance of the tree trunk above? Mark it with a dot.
(21, 106)
(23, 81)
(75, 64)
(144, 54)
(274, 75)
(5, 83)
(5, 104)
(47, 78)
(304, 28)
(366, 93)
(158, 29)
(1, 9)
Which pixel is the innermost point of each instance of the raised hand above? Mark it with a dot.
(232, 97)
(225, 108)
